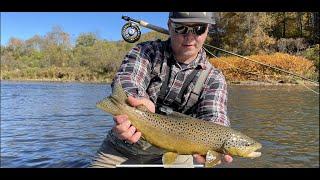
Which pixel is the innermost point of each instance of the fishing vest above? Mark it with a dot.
(191, 104)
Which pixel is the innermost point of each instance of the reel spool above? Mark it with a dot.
(130, 32)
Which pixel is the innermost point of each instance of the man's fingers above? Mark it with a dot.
(144, 101)
(126, 135)
(120, 119)
(228, 158)
(134, 101)
(150, 105)
(135, 137)
(123, 127)
(200, 159)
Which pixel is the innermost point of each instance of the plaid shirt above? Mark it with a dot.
(144, 69)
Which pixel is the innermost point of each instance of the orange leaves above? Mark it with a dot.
(238, 69)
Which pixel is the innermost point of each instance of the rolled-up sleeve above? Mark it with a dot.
(213, 101)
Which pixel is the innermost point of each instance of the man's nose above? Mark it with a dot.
(189, 34)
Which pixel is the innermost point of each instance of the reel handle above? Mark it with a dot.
(127, 18)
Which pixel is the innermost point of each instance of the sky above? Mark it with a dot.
(107, 25)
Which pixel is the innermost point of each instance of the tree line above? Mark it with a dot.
(246, 33)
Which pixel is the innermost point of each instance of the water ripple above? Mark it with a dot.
(58, 124)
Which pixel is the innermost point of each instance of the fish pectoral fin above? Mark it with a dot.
(169, 158)
(213, 158)
(144, 143)
(143, 138)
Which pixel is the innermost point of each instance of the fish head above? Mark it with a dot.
(242, 145)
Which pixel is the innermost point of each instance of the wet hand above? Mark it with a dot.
(123, 128)
(143, 101)
(201, 159)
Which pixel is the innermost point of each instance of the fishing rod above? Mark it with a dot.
(131, 33)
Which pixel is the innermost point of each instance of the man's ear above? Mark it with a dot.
(168, 24)
(210, 27)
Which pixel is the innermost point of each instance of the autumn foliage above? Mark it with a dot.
(239, 69)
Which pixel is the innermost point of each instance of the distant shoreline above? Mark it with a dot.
(249, 74)
(261, 83)
(108, 81)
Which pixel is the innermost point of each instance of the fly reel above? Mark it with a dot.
(130, 32)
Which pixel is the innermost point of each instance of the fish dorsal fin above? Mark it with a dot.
(118, 93)
(213, 158)
(143, 108)
(169, 158)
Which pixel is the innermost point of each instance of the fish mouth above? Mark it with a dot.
(254, 153)
(250, 152)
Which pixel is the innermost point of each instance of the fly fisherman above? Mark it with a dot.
(166, 76)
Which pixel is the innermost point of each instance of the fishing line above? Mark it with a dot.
(131, 33)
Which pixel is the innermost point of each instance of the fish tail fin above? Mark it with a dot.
(112, 104)
(109, 105)
(118, 93)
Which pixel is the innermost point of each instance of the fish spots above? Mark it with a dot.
(193, 131)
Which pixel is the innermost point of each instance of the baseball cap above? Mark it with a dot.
(196, 17)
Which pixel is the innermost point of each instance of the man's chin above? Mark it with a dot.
(190, 53)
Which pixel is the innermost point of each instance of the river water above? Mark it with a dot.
(58, 125)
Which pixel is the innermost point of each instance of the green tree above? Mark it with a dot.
(86, 39)
(57, 47)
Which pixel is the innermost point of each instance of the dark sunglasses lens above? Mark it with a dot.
(181, 29)
(200, 29)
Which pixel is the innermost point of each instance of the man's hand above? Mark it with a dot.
(123, 127)
(201, 160)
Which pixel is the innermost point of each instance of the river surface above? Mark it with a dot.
(58, 125)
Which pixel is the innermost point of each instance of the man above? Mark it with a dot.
(166, 76)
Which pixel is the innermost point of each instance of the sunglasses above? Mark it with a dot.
(184, 29)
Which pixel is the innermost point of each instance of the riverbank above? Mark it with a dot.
(57, 74)
(236, 71)
(108, 81)
(278, 83)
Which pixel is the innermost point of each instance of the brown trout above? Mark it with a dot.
(181, 134)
